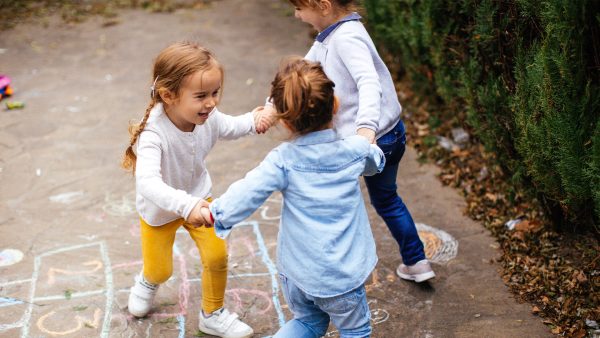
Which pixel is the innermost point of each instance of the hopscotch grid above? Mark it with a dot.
(25, 321)
(15, 282)
(71, 296)
(271, 267)
(110, 292)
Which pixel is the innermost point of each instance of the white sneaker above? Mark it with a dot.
(419, 272)
(224, 324)
(141, 296)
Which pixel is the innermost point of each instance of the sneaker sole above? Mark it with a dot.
(216, 333)
(417, 278)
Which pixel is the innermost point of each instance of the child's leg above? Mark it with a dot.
(157, 250)
(309, 320)
(384, 197)
(213, 252)
(349, 313)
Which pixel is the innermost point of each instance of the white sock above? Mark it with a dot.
(216, 312)
(147, 284)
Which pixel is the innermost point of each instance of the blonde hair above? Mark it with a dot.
(344, 4)
(172, 65)
(303, 95)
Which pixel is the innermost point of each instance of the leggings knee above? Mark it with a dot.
(215, 262)
(158, 277)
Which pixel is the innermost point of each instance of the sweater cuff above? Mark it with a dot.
(250, 116)
(188, 209)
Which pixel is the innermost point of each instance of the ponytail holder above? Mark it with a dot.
(152, 88)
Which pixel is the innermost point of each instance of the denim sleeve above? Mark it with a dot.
(375, 161)
(243, 197)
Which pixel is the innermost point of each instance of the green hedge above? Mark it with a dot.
(527, 73)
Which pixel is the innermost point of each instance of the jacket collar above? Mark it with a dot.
(325, 33)
(321, 136)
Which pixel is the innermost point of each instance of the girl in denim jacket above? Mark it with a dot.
(325, 248)
(369, 107)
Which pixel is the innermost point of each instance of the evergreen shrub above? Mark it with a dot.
(527, 74)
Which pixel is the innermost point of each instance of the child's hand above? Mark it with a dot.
(206, 215)
(264, 118)
(196, 217)
(367, 133)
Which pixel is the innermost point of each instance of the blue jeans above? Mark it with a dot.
(384, 197)
(349, 313)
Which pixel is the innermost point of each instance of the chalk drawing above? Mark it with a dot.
(66, 198)
(440, 247)
(264, 209)
(378, 316)
(53, 271)
(243, 241)
(272, 270)
(9, 301)
(108, 291)
(271, 298)
(71, 296)
(119, 207)
(10, 257)
(235, 293)
(81, 322)
(268, 299)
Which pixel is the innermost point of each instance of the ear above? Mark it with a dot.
(336, 105)
(326, 7)
(167, 96)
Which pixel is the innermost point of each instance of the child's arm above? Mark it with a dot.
(243, 197)
(356, 57)
(149, 181)
(256, 121)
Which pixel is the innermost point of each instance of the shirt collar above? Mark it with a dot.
(321, 136)
(325, 33)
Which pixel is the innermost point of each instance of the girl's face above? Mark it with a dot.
(198, 96)
(312, 16)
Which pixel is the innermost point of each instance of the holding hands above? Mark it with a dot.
(264, 118)
(200, 215)
(367, 133)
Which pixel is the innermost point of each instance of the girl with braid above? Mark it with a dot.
(325, 248)
(179, 128)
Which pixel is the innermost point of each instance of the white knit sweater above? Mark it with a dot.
(363, 83)
(171, 175)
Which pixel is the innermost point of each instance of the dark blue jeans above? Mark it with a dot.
(384, 197)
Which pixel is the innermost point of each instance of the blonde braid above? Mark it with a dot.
(135, 129)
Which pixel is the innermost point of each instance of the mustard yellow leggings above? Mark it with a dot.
(157, 252)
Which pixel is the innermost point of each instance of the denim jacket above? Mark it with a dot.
(325, 245)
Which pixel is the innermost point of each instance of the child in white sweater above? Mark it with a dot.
(179, 128)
